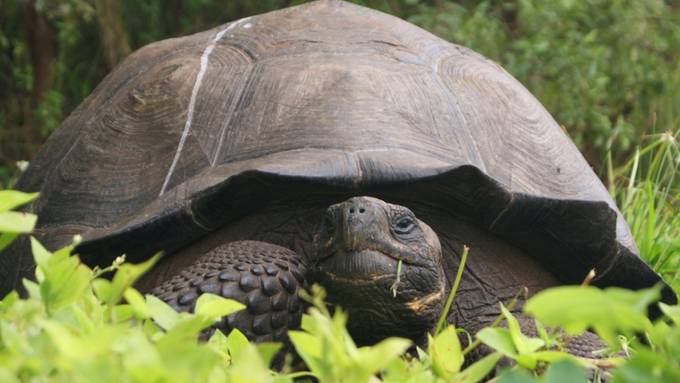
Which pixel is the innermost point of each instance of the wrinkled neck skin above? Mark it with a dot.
(495, 271)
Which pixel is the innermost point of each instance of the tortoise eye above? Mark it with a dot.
(404, 225)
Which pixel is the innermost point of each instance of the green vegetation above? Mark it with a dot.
(76, 326)
(608, 70)
(647, 190)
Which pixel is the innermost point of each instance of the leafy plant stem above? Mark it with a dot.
(522, 292)
(397, 281)
(452, 293)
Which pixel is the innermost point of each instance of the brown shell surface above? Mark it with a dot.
(328, 91)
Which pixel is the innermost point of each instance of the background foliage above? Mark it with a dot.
(608, 70)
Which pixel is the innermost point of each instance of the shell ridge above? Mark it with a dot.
(232, 109)
(194, 93)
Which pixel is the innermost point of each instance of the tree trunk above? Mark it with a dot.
(41, 45)
(114, 42)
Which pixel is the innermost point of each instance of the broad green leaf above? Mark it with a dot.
(523, 344)
(8, 301)
(648, 366)
(137, 302)
(248, 367)
(378, 356)
(11, 199)
(306, 344)
(66, 342)
(516, 376)
(577, 308)
(6, 239)
(478, 370)
(7, 376)
(236, 342)
(32, 288)
(213, 307)
(17, 222)
(565, 371)
(62, 277)
(218, 342)
(161, 313)
(444, 350)
(542, 332)
(40, 254)
(122, 313)
(527, 361)
(185, 330)
(126, 275)
(498, 339)
(672, 312)
(102, 288)
(309, 348)
(267, 351)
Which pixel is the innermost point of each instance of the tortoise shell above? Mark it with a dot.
(189, 133)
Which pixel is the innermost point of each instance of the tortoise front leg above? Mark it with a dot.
(266, 278)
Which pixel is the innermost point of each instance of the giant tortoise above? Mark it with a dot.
(326, 143)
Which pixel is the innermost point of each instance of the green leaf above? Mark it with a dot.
(444, 349)
(378, 356)
(523, 344)
(267, 351)
(498, 339)
(137, 302)
(66, 342)
(218, 342)
(32, 288)
(516, 376)
(236, 342)
(6, 239)
(577, 308)
(247, 366)
(551, 356)
(478, 370)
(62, 277)
(11, 199)
(161, 313)
(213, 307)
(672, 312)
(102, 288)
(126, 275)
(17, 222)
(40, 255)
(308, 347)
(565, 371)
(122, 313)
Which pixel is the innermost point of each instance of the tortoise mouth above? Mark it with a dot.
(358, 264)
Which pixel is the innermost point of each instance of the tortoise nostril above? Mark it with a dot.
(362, 210)
(351, 211)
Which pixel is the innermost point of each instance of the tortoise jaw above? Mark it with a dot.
(358, 264)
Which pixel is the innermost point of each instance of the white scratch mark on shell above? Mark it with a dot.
(194, 93)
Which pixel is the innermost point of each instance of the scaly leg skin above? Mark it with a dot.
(264, 277)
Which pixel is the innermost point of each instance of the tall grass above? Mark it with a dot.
(647, 190)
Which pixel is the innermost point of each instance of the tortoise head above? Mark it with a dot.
(383, 265)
